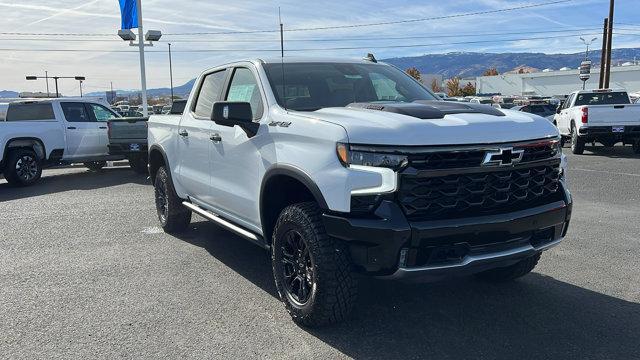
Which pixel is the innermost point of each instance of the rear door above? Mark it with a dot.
(82, 132)
(101, 115)
(194, 139)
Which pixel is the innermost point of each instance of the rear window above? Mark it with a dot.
(30, 112)
(603, 98)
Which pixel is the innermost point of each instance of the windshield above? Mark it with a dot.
(603, 98)
(313, 86)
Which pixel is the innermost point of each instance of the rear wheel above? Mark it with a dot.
(512, 272)
(139, 164)
(608, 143)
(577, 144)
(95, 165)
(173, 216)
(23, 167)
(312, 270)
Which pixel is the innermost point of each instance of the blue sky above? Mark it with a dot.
(549, 29)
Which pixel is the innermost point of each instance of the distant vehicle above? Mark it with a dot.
(128, 139)
(479, 100)
(358, 168)
(604, 116)
(545, 110)
(39, 133)
(442, 95)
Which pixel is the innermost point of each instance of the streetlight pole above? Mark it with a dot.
(586, 63)
(55, 79)
(143, 75)
(170, 73)
(80, 88)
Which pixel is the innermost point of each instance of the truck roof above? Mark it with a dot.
(288, 60)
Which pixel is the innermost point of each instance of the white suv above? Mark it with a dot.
(343, 167)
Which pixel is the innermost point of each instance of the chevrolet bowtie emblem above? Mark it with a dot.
(503, 157)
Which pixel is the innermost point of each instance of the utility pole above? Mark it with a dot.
(46, 77)
(607, 78)
(170, 73)
(603, 57)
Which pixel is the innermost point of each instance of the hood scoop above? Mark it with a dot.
(429, 109)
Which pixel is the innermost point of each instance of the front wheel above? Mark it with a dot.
(312, 271)
(95, 165)
(139, 164)
(23, 167)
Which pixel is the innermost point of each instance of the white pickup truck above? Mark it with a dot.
(39, 133)
(343, 167)
(605, 116)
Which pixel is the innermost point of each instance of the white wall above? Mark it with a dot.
(557, 82)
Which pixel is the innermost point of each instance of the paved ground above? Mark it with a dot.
(86, 273)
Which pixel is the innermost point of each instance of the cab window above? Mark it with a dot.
(75, 112)
(244, 88)
(101, 113)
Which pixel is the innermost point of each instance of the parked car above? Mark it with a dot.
(39, 133)
(334, 180)
(541, 109)
(605, 116)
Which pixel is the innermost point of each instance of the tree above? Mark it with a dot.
(468, 89)
(414, 72)
(491, 72)
(435, 85)
(453, 87)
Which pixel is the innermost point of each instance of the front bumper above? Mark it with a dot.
(629, 135)
(390, 246)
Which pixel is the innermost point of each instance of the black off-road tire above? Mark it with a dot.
(173, 216)
(577, 144)
(139, 164)
(512, 272)
(95, 165)
(333, 287)
(608, 143)
(23, 167)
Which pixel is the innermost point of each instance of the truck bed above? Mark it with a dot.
(127, 136)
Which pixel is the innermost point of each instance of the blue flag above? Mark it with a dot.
(129, 12)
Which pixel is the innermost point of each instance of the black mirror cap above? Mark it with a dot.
(231, 113)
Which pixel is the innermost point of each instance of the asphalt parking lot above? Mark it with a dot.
(85, 272)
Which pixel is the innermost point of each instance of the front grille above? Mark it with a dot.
(486, 191)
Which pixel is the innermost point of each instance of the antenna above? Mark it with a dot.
(284, 84)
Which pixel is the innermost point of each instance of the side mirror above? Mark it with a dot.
(230, 113)
(559, 108)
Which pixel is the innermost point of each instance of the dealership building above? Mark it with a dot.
(558, 82)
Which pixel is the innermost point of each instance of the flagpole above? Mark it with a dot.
(143, 75)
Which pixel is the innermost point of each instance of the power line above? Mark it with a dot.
(307, 49)
(477, 34)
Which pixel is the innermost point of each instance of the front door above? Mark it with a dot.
(102, 115)
(82, 132)
(194, 139)
(235, 158)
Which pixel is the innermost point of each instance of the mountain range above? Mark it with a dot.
(463, 64)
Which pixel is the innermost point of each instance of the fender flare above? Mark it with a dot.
(164, 157)
(43, 155)
(298, 174)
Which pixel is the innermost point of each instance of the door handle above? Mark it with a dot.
(102, 127)
(215, 137)
(183, 133)
(71, 127)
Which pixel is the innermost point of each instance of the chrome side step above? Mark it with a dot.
(225, 223)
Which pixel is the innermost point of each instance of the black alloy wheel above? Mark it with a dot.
(297, 268)
(26, 168)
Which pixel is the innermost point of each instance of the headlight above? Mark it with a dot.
(348, 157)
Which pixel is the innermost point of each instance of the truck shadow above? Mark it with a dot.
(77, 179)
(534, 317)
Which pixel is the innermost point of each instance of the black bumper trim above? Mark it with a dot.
(376, 243)
(124, 148)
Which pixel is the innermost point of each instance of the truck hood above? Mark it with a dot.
(371, 126)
